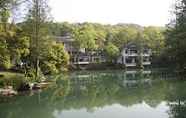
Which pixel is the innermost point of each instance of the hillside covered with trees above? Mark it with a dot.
(112, 38)
(29, 46)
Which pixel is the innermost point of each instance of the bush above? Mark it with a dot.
(12, 79)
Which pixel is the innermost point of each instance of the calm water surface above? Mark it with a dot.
(103, 94)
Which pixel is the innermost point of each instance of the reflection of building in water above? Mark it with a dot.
(137, 83)
(126, 79)
(80, 82)
(136, 78)
(165, 75)
(130, 78)
(136, 74)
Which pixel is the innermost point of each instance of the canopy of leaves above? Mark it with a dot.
(176, 35)
(85, 36)
(13, 46)
(53, 57)
(112, 51)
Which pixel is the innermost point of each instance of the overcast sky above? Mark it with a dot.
(142, 12)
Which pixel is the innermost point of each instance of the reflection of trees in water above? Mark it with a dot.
(177, 100)
(91, 90)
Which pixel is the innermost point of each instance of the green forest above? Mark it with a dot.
(29, 46)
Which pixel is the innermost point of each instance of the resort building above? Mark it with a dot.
(80, 56)
(131, 56)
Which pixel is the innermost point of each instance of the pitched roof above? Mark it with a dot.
(64, 39)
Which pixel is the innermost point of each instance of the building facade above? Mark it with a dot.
(131, 56)
(80, 56)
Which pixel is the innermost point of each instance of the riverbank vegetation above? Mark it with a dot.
(11, 79)
(176, 36)
(94, 91)
(28, 45)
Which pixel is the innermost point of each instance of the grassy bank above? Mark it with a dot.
(11, 79)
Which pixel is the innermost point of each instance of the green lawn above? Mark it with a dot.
(11, 79)
(9, 75)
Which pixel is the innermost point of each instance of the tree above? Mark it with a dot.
(5, 12)
(176, 33)
(140, 46)
(54, 58)
(124, 36)
(36, 19)
(155, 39)
(112, 52)
(46, 56)
(13, 45)
(85, 36)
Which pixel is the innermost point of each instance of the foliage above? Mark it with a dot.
(25, 44)
(30, 41)
(98, 90)
(46, 56)
(175, 36)
(154, 38)
(85, 36)
(54, 58)
(12, 79)
(94, 36)
(112, 51)
(13, 47)
(124, 36)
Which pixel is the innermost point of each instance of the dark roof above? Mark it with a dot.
(133, 45)
(64, 39)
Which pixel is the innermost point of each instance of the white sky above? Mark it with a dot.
(142, 12)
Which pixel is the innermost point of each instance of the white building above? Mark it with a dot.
(131, 54)
(80, 56)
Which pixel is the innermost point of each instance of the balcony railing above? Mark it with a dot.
(146, 63)
(135, 64)
(136, 54)
(130, 64)
(82, 63)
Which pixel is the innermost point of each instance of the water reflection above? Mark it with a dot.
(108, 94)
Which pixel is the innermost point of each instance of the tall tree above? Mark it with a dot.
(85, 36)
(37, 19)
(176, 35)
(112, 52)
(5, 12)
(12, 44)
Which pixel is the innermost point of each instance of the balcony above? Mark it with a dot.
(134, 64)
(130, 64)
(134, 53)
(131, 54)
(146, 63)
(146, 54)
(82, 63)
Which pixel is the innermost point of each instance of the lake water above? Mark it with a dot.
(103, 94)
